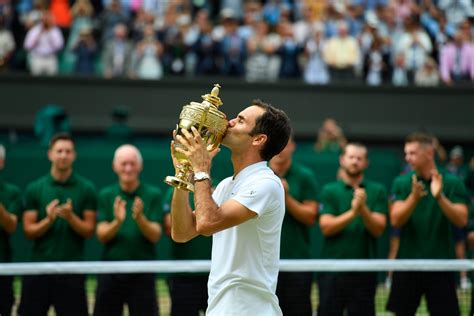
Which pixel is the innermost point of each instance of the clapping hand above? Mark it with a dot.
(137, 208)
(119, 209)
(65, 210)
(436, 184)
(417, 188)
(52, 210)
(358, 199)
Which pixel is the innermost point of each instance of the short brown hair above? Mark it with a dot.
(355, 144)
(418, 137)
(60, 136)
(276, 125)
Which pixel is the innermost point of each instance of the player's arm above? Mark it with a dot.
(211, 218)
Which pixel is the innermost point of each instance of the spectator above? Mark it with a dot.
(403, 9)
(375, 63)
(289, 52)
(10, 208)
(353, 215)
(262, 63)
(426, 196)
(204, 48)
(456, 10)
(113, 15)
(415, 45)
(251, 16)
(173, 36)
(117, 54)
(366, 37)
(427, 76)
(82, 12)
(341, 54)
(457, 61)
(59, 215)
(303, 28)
(399, 75)
(456, 165)
(85, 51)
(128, 225)
(188, 292)
(272, 11)
(141, 20)
(330, 137)
(43, 42)
(467, 29)
(32, 13)
(301, 200)
(7, 45)
(232, 47)
(438, 28)
(316, 70)
(146, 63)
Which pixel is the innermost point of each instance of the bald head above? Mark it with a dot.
(128, 150)
(128, 164)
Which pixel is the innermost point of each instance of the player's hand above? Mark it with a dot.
(176, 163)
(195, 150)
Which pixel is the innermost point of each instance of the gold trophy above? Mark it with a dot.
(211, 124)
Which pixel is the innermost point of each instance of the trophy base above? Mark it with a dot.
(179, 184)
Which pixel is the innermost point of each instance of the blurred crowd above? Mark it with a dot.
(399, 42)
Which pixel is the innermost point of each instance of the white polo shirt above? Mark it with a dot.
(245, 258)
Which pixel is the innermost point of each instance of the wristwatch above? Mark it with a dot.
(201, 175)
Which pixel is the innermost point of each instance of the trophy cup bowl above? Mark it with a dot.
(211, 125)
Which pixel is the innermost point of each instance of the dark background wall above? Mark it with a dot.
(372, 114)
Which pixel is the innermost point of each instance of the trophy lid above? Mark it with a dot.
(213, 98)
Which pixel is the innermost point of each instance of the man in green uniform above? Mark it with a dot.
(426, 205)
(59, 215)
(10, 208)
(301, 200)
(188, 291)
(128, 225)
(470, 244)
(353, 215)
